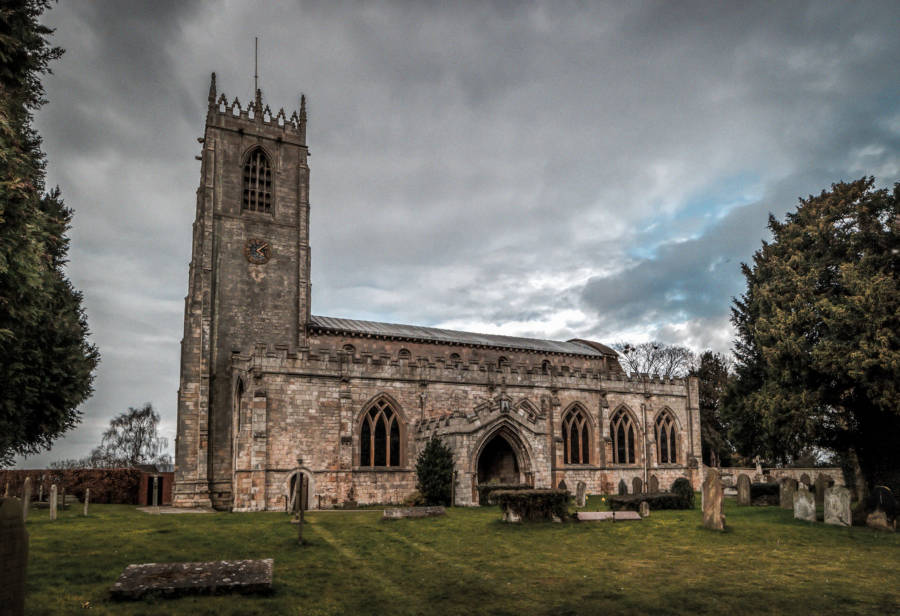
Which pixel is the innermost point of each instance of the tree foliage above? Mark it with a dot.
(131, 439)
(47, 363)
(654, 357)
(818, 348)
(712, 372)
(434, 472)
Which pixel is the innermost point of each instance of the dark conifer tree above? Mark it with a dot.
(434, 472)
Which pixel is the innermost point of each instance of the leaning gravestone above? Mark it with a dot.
(713, 501)
(623, 487)
(804, 504)
(786, 492)
(837, 506)
(654, 485)
(26, 498)
(637, 486)
(644, 509)
(743, 490)
(580, 494)
(13, 556)
(53, 502)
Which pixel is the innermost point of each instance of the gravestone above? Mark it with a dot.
(580, 494)
(637, 486)
(53, 502)
(786, 490)
(623, 487)
(804, 479)
(713, 501)
(837, 506)
(173, 579)
(41, 492)
(743, 490)
(654, 484)
(87, 500)
(804, 504)
(156, 491)
(26, 498)
(593, 516)
(758, 461)
(644, 509)
(823, 482)
(13, 556)
(881, 507)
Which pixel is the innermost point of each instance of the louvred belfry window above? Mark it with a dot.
(621, 428)
(257, 183)
(379, 436)
(576, 437)
(665, 438)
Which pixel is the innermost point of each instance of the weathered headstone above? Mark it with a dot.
(743, 490)
(53, 502)
(837, 505)
(623, 487)
(87, 500)
(654, 484)
(804, 504)
(13, 556)
(644, 509)
(713, 501)
(823, 482)
(637, 486)
(156, 491)
(882, 509)
(787, 488)
(580, 494)
(804, 479)
(41, 492)
(26, 498)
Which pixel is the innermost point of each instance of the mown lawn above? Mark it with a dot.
(470, 563)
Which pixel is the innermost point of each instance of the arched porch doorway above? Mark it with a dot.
(497, 462)
(309, 488)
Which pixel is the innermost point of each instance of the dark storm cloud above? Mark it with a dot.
(544, 169)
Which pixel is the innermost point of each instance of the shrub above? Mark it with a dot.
(683, 488)
(485, 492)
(415, 499)
(533, 505)
(659, 500)
(434, 472)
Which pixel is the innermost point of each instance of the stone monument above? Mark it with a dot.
(623, 487)
(26, 498)
(713, 501)
(654, 484)
(837, 505)
(787, 487)
(53, 502)
(743, 490)
(580, 494)
(637, 486)
(87, 499)
(804, 504)
(644, 509)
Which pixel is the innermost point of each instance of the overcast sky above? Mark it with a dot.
(542, 169)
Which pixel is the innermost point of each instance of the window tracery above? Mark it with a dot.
(622, 429)
(576, 437)
(665, 438)
(379, 436)
(257, 183)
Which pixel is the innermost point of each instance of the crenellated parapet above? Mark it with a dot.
(255, 114)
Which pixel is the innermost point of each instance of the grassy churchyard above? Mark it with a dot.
(469, 562)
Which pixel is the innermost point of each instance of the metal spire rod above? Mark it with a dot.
(255, 64)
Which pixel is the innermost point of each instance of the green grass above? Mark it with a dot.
(468, 562)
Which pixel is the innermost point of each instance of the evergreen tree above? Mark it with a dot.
(434, 472)
(46, 362)
(818, 346)
(712, 374)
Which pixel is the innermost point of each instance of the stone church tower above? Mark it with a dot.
(249, 276)
(270, 392)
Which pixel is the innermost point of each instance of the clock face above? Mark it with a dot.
(257, 251)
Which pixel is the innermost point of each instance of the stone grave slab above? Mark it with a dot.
(174, 579)
(621, 516)
(594, 516)
(413, 512)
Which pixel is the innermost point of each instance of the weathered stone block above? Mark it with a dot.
(743, 490)
(837, 505)
(413, 512)
(804, 504)
(174, 579)
(713, 501)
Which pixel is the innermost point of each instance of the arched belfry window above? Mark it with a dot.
(621, 427)
(379, 436)
(257, 183)
(576, 437)
(665, 438)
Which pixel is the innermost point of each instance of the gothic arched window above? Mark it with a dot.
(621, 427)
(576, 437)
(665, 438)
(379, 436)
(257, 183)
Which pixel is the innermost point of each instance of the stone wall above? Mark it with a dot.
(730, 474)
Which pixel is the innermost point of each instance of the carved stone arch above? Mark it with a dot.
(377, 405)
(288, 483)
(252, 148)
(577, 429)
(633, 449)
(510, 432)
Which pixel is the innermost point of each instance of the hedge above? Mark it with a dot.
(108, 485)
(683, 488)
(485, 492)
(657, 500)
(533, 505)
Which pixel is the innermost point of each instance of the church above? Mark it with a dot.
(269, 390)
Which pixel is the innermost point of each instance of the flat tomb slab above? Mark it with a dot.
(600, 516)
(412, 512)
(174, 579)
